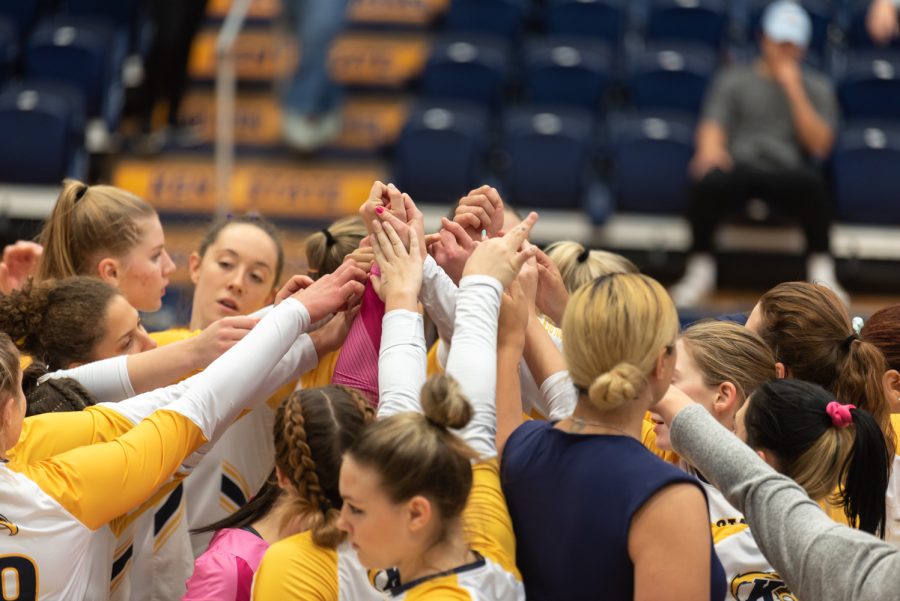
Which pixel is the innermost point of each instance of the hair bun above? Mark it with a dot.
(617, 386)
(444, 403)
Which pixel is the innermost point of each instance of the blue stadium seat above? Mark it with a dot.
(695, 21)
(83, 53)
(870, 89)
(46, 121)
(124, 15)
(467, 67)
(651, 155)
(599, 19)
(498, 17)
(9, 48)
(866, 177)
(23, 13)
(567, 71)
(670, 77)
(549, 157)
(821, 14)
(440, 154)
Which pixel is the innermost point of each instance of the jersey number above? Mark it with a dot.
(18, 578)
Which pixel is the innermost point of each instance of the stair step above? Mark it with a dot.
(371, 123)
(364, 13)
(291, 190)
(379, 60)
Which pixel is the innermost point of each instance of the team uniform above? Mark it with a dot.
(295, 568)
(53, 495)
(748, 574)
(553, 399)
(154, 556)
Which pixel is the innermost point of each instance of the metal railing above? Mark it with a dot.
(226, 91)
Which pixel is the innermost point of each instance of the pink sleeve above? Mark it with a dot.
(357, 364)
(218, 575)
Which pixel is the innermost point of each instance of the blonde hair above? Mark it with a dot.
(579, 265)
(326, 249)
(613, 331)
(417, 454)
(87, 222)
(724, 351)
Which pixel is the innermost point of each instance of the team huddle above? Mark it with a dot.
(446, 415)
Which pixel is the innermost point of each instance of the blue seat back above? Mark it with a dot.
(549, 157)
(498, 17)
(599, 19)
(866, 177)
(651, 155)
(870, 88)
(567, 71)
(696, 21)
(440, 153)
(671, 77)
(469, 68)
(36, 127)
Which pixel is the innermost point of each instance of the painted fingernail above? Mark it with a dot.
(379, 210)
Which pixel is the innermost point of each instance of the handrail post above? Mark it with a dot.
(226, 91)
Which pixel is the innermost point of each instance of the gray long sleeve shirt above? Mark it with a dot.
(818, 558)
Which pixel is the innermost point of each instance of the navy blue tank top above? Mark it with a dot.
(571, 498)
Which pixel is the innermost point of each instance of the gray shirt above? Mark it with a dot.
(756, 115)
(818, 558)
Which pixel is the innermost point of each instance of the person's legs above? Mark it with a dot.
(803, 195)
(710, 198)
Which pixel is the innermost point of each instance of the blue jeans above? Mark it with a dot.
(310, 90)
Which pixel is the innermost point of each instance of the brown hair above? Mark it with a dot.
(326, 249)
(313, 429)
(613, 331)
(86, 223)
(579, 265)
(57, 322)
(883, 330)
(212, 234)
(416, 454)
(53, 395)
(809, 330)
(724, 351)
(9, 367)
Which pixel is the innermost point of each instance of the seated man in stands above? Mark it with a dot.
(764, 127)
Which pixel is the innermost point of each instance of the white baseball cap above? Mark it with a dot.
(787, 21)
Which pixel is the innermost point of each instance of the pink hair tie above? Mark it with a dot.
(839, 414)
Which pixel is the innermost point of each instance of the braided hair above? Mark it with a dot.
(313, 428)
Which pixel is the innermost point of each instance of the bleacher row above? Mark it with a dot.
(569, 104)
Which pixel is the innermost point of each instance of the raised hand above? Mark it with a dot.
(293, 286)
(401, 269)
(502, 258)
(414, 221)
(515, 309)
(552, 295)
(384, 196)
(451, 248)
(481, 209)
(332, 291)
(20, 261)
(218, 337)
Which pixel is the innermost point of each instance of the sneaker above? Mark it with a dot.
(820, 270)
(698, 283)
(308, 133)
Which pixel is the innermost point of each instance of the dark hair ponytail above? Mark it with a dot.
(849, 462)
(254, 510)
(865, 475)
